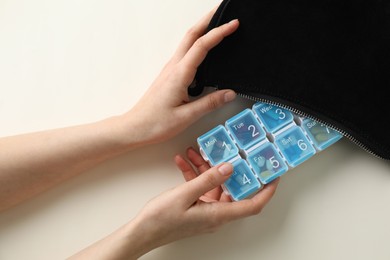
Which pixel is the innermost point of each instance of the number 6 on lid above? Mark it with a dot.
(294, 145)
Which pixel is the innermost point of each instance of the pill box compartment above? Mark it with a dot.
(263, 143)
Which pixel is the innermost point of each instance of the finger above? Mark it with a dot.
(244, 208)
(191, 191)
(193, 34)
(214, 194)
(197, 160)
(196, 54)
(186, 168)
(202, 166)
(225, 197)
(207, 199)
(189, 174)
(198, 108)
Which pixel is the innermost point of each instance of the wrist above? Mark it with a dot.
(139, 238)
(139, 129)
(127, 131)
(128, 242)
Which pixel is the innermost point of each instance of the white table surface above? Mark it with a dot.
(71, 62)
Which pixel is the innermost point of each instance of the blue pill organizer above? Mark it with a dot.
(263, 143)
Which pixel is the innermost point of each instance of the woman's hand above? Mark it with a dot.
(165, 109)
(192, 208)
(197, 206)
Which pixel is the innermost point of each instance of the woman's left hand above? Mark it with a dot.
(197, 206)
(165, 109)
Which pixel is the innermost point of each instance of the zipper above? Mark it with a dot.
(301, 113)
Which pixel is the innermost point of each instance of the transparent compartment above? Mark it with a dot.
(267, 163)
(273, 118)
(217, 146)
(321, 135)
(243, 182)
(294, 145)
(284, 141)
(245, 129)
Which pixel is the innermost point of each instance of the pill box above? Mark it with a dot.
(263, 142)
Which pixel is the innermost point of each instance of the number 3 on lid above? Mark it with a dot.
(273, 118)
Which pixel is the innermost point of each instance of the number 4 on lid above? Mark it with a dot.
(243, 182)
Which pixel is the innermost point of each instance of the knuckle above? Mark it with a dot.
(212, 103)
(218, 30)
(178, 75)
(211, 180)
(256, 209)
(200, 44)
(193, 33)
(178, 69)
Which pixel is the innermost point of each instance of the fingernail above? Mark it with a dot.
(229, 96)
(234, 21)
(225, 169)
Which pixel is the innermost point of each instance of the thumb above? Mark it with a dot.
(210, 179)
(208, 103)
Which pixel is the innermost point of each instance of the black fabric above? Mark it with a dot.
(328, 58)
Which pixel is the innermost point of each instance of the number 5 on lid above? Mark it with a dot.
(267, 163)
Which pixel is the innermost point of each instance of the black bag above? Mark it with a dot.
(328, 60)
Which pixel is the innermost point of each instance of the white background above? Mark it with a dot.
(70, 62)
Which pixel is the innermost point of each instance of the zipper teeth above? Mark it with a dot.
(296, 111)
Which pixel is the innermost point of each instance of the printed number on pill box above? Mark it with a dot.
(263, 143)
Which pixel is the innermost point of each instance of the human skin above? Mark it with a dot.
(195, 207)
(35, 162)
